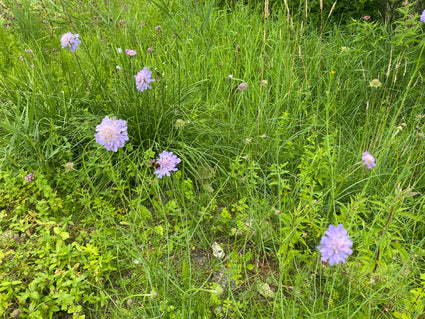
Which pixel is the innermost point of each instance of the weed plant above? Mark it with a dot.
(265, 168)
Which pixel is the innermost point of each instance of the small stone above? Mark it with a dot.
(16, 313)
(217, 251)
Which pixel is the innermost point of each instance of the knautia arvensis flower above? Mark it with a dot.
(167, 162)
(70, 41)
(335, 245)
(112, 133)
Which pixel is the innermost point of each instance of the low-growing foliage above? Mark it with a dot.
(48, 265)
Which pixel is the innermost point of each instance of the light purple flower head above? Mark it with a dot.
(335, 245)
(30, 177)
(243, 86)
(70, 41)
(167, 163)
(131, 52)
(158, 27)
(143, 78)
(111, 133)
(423, 16)
(368, 160)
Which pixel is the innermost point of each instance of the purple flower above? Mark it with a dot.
(131, 52)
(423, 16)
(366, 17)
(368, 160)
(158, 29)
(243, 86)
(111, 133)
(335, 245)
(143, 78)
(167, 162)
(70, 41)
(30, 178)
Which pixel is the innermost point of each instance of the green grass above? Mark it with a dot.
(264, 172)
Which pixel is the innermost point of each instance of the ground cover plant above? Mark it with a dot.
(201, 159)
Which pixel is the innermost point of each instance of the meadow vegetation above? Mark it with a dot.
(268, 111)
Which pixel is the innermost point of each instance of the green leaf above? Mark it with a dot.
(63, 234)
(159, 230)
